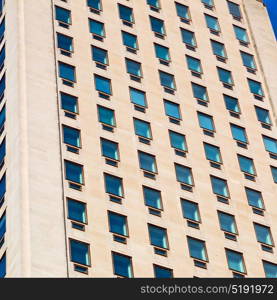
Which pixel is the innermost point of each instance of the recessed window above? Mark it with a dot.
(2, 188)
(200, 92)
(118, 223)
(2, 152)
(206, 122)
(79, 252)
(263, 234)
(167, 80)
(188, 38)
(67, 72)
(219, 49)
(133, 67)
(122, 265)
(162, 52)
(158, 236)
(100, 55)
(246, 165)
(96, 28)
(77, 211)
(74, 172)
(72, 137)
(239, 133)
(274, 173)
(225, 76)
(96, 4)
(152, 197)
(248, 60)
(184, 175)
(177, 141)
(208, 3)
(2, 228)
(227, 222)
(190, 210)
(65, 42)
(126, 14)
(129, 40)
(3, 266)
(234, 10)
(270, 145)
(213, 153)
(232, 104)
(113, 185)
(162, 272)
(212, 24)
(138, 97)
(197, 249)
(106, 116)
(63, 15)
(157, 26)
(235, 261)
(103, 85)
(154, 4)
(263, 116)
(183, 12)
(109, 149)
(254, 198)
(220, 186)
(241, 35)
(69, 103)
(147, 162)
(142, 128)
(194, 65)
(172, 110)
(269, 268)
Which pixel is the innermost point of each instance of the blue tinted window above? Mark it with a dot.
(74, 172)
(152, 197)
(103, 84)
(106, 116)
(3, 266)
(118, 224)
(133, 67)
(2, 85)
(269, 268)
(177, 140)
(197, 249)
(254, 198)
(100, 55)
(227, 222)
(212, 23)
(188, 37)
(2, 226)
(65, 42)
(154, 3)
(79, 252)
(172, 109)
(199, 92)
(183, 174)
(248, 60)
(76, 211)
(263, 115)
(274, 173)
(142, 128)
(157, 25)
(162, 52)
(167, 80)
(69, 103)
(138, 97)
(2, 29)
(147, 162)
(225, 76)
(63, 15)
(113, 185)
(218, 49)
(2, 186)
(246, 165)
(241, 34)
(231, 103)
(238, 133)
(96, 27)
(71, 136)
(122, 265)
(234, 9)
(125, 13)
(263, 234)
(129, 40)
(158, 236)
(161, 272)
(2, 150)
(255, 87)
(109, 149)
(194, 64)
(182, 11)
(208, 2)
(206, 121)
(190, 210)
(2, 56)
(212, 153)
(235, 261)
(96, 4)
(67, 71)
(219, 186)
(270, 144)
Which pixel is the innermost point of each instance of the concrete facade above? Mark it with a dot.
(38, 229)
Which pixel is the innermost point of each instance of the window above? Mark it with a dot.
(162, 52)
(2, 86)
(96, 4)
(102, 84)
(77, 211)
(246, 165)
(147, 162)
(248, 60)
(118, 223)
(197, 249)
(63, 15)
(263, 115)
(182, 12)
(158, 236)
(106, 116)
(65, 42)
(157, 26)
(172, 109)
(129, 40)
(100, 55)
(220, 186)
(206, 121)
(67, 72)
(113, 185)
(254, 198)
(2, 29)
(2, 152)
(2, 227)
(255, 87)
(96, 28)
(154, 3)
(274, 173)
(241, 35)
(71, 136)
(269, 268)
(2, 58)
(234, 10)
(126, 13)
(212, 153)
(219, 49)
(177, 141)
(232, 104)
(133, 67)
(74, 172)
(2, 188)
(208, 3)
(138, 97)
(152, 197)
(69, 103)
(122, 265)
(2, 118)
(142, 129)
(227, 222)
(184, 174)
(239, 133)
(270, 144)
(199, 92)
(188, 38)
(80, 252)
(167, 80)
(3, 266)
(161, 272)
(194, 64)
(212, 24)
(109, 149)
(263, 234)
(235, 261)
(225, 76)
(190, 210)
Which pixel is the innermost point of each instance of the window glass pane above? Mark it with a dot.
(199, 92)
(194, 64)
(2, 150)
(129, 40)
(241, 34)
(67, 71)
(188, 37)
(212, 23)
(106, 115)
(94, 4)
(3, 266)
(172, 109)
(76, 211)
(269, 268)
(183, 174)
(263, 234)
(182, 11)
(154, 3)
(157, 25)
(122, 265)
(167, 80)
(208, 2)
(219, 186)
(142, 128)
(212, 153)
(113, 185)
(270, 144)
(227, 222)
(158, 236)
(197, 249)
(234, 9)
(190, 210)
(69, 103)
(161, 272)
(99, 55)
(162, 52)
(138, 97)
(147, 162)
(79, 252)
(65, 42)
(133, 67)
(235, 261)
(2, 186)
(254, 198)
(118, 224)
(2, 85)
(177, 140)
(263, 115)
(152, 197)
(125, 13)
(71, 136)
(246, 165)
(231, 103)
(206, 121)
(102, 84)
(2, 29)
(63, 15)
(274, 173)
(109, 149)
(218, 49)
(74, 172)
(238, 133)
(225, 76)
(248, 60)
(2, 225)
(96, 27)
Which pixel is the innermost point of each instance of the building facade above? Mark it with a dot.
(138, 139)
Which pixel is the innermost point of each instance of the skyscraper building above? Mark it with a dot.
(138, 139)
